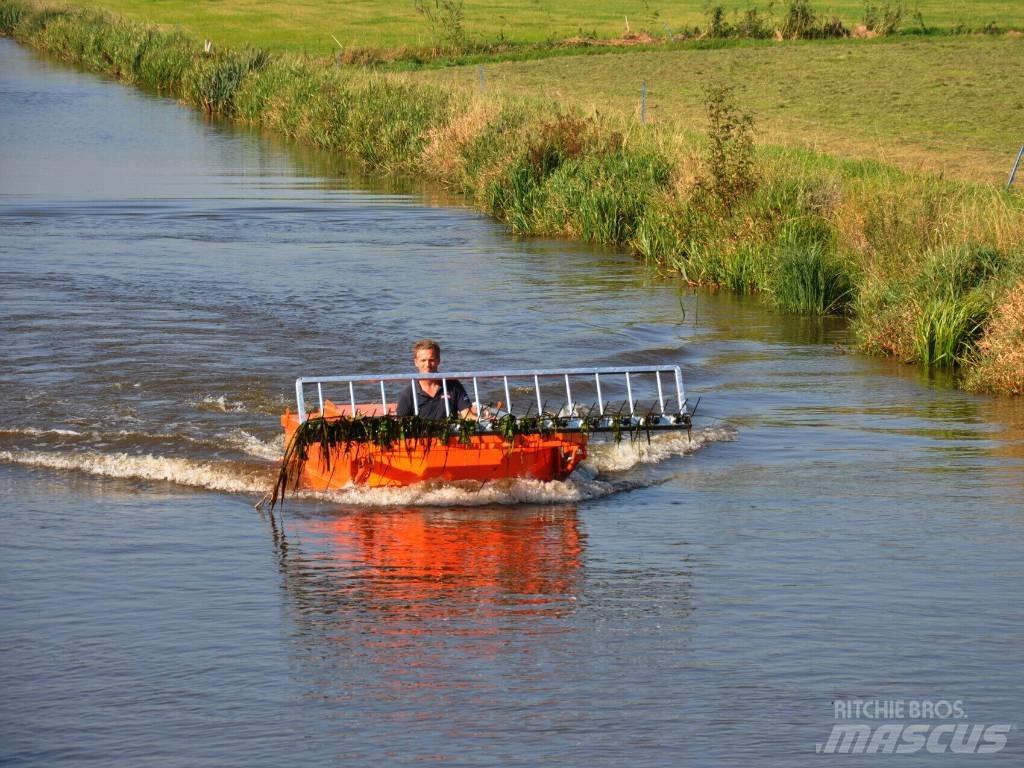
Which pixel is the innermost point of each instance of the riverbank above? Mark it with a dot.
(929, 269)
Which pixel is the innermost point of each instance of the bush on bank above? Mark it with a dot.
(931, 271)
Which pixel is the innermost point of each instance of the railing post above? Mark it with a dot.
(300, 400)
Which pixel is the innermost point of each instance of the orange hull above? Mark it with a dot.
(487, 457)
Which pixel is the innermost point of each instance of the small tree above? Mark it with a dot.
(730, 154)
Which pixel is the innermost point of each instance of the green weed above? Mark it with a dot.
(11, 14)
(213, 82)
(947, 327)
(810, 280)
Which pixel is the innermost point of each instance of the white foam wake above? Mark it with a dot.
(237, 477)
(581, 485)
(213, 475)
(612, 457)
(220, 404)
(36, 431)
(247, 443)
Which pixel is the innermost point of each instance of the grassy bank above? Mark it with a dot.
(930, 270)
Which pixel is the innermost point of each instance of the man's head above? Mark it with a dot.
(426, 355)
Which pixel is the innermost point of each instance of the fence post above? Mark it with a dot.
(1016, 165)
(643, 103)
(480, 77)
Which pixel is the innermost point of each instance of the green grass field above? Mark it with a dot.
(307, 25)
(933, 104)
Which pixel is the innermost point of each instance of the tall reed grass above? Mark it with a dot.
(921, 264)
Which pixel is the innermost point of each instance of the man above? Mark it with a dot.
(426, 356)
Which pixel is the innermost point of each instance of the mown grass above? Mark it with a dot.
(922, 264)
(307, 25)
(929, 105)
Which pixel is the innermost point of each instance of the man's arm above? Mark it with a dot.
(463, 405)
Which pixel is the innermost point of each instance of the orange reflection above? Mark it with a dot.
(426, 604)
(414, 564)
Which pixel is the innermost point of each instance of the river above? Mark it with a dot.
(841, 529)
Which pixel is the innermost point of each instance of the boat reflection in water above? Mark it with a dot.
(402, 566)
(427, 599)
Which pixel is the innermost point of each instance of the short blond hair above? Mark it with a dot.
(430, 344)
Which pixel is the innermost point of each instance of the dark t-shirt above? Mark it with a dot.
(433, 407)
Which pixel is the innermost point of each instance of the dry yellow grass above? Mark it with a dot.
(1000, 366)
(438, 159)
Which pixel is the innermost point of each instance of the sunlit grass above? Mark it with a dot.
(308, 25)
(929, 104)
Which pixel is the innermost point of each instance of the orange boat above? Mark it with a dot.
(486, 456)
(547, 445)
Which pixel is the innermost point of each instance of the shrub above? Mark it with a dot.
(803, 23)
(884, 19)
(751, 25)
(717, 25)
(730, 153)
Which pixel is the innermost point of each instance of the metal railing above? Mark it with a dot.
(662, 385)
